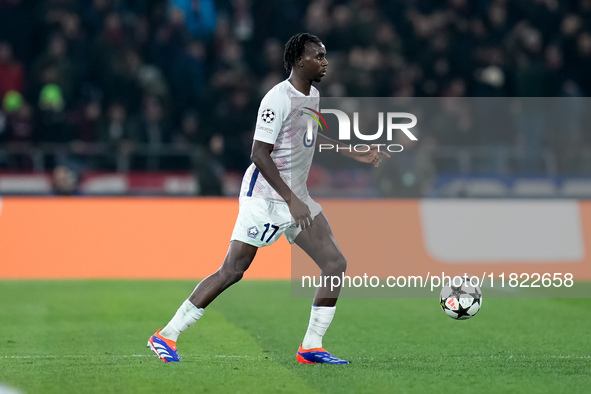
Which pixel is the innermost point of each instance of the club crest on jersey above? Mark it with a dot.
(309, 139)
(252, 232)
(268, 115)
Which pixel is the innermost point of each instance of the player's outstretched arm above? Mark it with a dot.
(261, 157)
(372, 156)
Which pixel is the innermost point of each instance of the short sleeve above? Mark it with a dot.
(272, 112)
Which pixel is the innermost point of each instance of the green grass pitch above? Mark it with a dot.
(90, 337)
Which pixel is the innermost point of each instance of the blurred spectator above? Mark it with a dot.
(77, 44)
(94, 14)
(16, 27)
(152, 83)
(204, 154)
(341, 36)
(85, 121)
(140, 35)
(555, 71)
(109, 45)
(242, 19)
(580, 69)
(318, 21)
(117, 132)
(65, 181)
(234, 119)
(121, 80)
(54, 67)
(188, 134)
(530, 75)
(184, 140)
(208, 168)
(272, 61)
(189, 80)
(153, 133)
(12, 74)
(18, 132)
(169, 41)
(84, 124)
(51, 121)
(199, 16)
(51, 115)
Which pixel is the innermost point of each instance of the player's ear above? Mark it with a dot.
(300, 62)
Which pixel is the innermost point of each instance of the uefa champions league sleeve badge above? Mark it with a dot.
(268, 115)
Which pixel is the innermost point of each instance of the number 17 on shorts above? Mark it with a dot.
(261, 222)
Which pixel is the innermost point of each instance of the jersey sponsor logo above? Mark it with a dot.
(265, 129)
(252, 232)
(268, 115)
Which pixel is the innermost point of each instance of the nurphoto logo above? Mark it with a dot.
(344, 132)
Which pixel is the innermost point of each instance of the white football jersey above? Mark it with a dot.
(285, 120)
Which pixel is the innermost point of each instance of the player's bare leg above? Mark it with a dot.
(237, 261)
(319, 243)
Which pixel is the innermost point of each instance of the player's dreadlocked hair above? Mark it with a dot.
(294, 49)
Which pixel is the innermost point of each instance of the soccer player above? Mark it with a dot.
(274, 200)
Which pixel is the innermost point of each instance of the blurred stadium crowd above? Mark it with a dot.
(174, 85)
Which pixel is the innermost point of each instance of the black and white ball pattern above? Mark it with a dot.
(268, 115)
(461, 302)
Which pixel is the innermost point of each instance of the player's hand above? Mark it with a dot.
(373, 156)
(301, 213)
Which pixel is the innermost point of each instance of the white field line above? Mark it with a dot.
(79, 356)
(40, 357)
(520, 356)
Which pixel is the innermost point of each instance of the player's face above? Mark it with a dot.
(314, 61)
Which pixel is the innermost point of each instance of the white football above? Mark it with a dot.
(461, 302)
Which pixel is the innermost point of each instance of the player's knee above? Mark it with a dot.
(336, 265)
(231, 275)
(235, 277)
